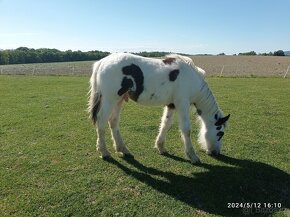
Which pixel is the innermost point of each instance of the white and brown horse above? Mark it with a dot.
(174, 82)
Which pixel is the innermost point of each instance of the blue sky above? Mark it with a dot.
(186, 26)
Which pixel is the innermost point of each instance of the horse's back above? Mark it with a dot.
(150, 81)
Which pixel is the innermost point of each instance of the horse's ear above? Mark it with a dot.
(222, 120)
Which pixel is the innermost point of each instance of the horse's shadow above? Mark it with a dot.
(212, 191)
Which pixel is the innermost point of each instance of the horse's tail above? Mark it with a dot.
(95, 94)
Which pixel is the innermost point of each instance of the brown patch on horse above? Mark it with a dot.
(126, 97)
(169, 60)
(171, 106)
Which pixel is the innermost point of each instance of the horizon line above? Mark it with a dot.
(147, 51)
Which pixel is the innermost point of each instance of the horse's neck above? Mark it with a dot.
(206, 104)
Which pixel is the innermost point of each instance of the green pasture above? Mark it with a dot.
(49, 165)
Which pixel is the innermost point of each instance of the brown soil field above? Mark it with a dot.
(243, 65)
(213, 65)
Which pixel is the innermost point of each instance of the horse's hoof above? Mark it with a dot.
(194, 159)
(106, 158)
(128, 156)
(161, 151)
(165, 153)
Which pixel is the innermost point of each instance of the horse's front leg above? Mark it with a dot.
(166, 123)
(185, 128)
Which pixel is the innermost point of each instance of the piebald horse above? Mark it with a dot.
(174, 82)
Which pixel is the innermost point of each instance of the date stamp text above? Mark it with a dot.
(249, 208)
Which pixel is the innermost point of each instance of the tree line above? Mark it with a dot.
(23, 55)
(253, 53)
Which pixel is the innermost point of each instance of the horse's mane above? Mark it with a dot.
(209, 99)
(188, 61)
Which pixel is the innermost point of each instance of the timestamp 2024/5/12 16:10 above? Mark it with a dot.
(254, 205)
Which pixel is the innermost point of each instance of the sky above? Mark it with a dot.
(182, 26)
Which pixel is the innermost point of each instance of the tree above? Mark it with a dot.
(279, 53)
(4, 58)
(28, 55)
(251, 53)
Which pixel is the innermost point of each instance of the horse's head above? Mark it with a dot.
(211, 134)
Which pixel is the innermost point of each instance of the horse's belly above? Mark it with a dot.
(154, 98)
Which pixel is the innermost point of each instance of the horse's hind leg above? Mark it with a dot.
(166, 123)
(115, 130)
(102, 120)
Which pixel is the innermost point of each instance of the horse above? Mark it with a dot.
(174, 82)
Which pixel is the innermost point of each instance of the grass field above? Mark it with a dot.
(49, 166)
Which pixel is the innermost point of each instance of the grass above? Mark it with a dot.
(49, 166)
